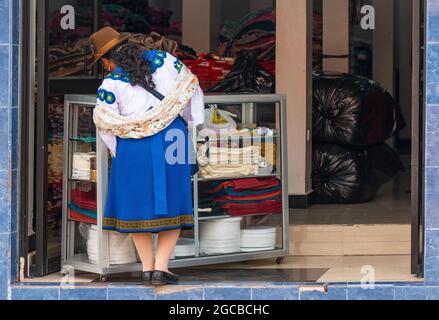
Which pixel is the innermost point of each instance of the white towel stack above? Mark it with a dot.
(83, 164)
(229, 162)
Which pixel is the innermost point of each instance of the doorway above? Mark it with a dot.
(40, 228)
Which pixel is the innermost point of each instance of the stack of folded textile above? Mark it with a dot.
(317, 48)
(210, 69)
(83, 206)
(242, 196)
(212, 171)
(256, 31)
(55, 160)
(217, 162)
(84, 166)
(69, 58)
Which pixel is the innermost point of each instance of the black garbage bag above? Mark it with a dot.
(353, 110)
(246, 76)
(346, 176)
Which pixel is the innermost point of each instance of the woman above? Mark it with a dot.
(149, 191)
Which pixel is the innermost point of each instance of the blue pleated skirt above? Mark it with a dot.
(148, 193)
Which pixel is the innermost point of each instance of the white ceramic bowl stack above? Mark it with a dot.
(258, 238)
(122, 250)
(185, 248)
(221, 236)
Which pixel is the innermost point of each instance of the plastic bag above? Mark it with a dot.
(246, 76)
(353, 110)
(347, 176)
(217, 119)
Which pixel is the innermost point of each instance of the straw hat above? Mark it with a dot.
(104, 40)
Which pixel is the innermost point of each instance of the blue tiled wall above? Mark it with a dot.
(432, 146)
(9, 123)
(415, 291)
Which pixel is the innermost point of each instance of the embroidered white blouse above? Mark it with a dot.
(118, 94)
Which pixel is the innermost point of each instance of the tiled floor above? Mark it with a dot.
(294, 269)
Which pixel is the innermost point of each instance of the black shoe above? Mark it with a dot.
(146, 277)
(161, 278)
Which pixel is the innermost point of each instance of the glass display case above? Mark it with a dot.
(240, 192)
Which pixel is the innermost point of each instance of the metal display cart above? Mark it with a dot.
(267, 109)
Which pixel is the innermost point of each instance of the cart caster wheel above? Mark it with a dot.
(65, 272)
(280, 260)
(103, 278)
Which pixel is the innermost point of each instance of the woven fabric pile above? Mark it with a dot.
(137, 16)
(242, 197)
(83, 207)
(256, 31)
(69, 59)
(210, 69)
(55, 159)
(247, 55)
(69, 50)
(317, 48)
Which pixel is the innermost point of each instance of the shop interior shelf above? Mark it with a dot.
(182, 258)
(77, 220)
(238, 138)
(80, 257)
(83, 140)
(240, 177)
(79, 132)
(236, 253)
(83, 181)
(81, 105)
(218, 217)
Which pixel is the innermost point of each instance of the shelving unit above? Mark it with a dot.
(73, 253)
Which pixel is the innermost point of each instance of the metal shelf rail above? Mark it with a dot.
(73, 260)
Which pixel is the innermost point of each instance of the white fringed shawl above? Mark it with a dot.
(149, 123)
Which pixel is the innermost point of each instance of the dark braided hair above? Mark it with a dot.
(130, 57)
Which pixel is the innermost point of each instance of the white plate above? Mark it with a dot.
(257, 249)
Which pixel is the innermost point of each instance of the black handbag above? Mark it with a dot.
(195, 167)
